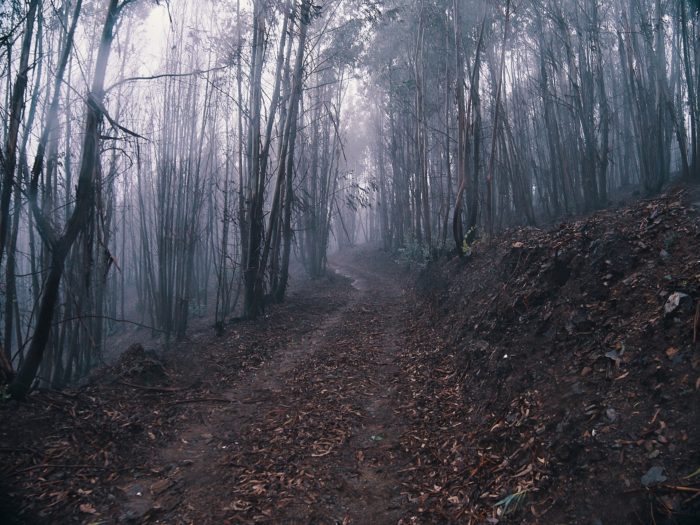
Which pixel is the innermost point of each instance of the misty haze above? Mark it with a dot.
(350, 262)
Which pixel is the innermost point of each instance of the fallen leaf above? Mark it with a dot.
(674, 301)
(653, 476)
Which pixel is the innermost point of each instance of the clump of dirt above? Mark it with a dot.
(141, 366)
(557, 377)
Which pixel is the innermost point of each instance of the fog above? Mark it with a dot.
(167, 163)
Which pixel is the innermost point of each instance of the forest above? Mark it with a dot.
(349, 261)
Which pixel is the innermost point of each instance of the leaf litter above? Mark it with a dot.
(601, 386)
(328, 410)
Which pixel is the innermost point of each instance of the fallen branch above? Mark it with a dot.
(154, 388)
(50, 465)
(200, 400)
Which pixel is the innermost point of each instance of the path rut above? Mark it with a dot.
(312, 436)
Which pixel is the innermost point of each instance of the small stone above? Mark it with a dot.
(674, 301)
(653, 476)
(611, 413)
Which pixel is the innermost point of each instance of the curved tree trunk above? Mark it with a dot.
(60, 247)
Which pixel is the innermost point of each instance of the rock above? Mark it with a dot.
(611, 414)
(675, 301)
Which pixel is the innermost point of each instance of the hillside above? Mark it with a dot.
(557, 376)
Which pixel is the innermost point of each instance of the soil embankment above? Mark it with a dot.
(563, 370)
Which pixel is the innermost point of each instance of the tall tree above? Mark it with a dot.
(60, 244)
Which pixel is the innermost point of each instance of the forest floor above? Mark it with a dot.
(551, 377)
(293, 418)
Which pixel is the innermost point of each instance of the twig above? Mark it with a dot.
(200, 400)
(165, 75)
(50, 465)
(108, 318)
(154, 388)
(680, 488)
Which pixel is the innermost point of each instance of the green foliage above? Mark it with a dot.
(4, 394)
(511, 502)
(347, 44)
(696, 473)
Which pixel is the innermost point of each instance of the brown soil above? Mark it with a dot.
(292, 419)
(541, 380)
(561, 372)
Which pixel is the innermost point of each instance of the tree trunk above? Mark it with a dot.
(61, 246)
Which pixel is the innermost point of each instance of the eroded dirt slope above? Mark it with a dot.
(563, 372)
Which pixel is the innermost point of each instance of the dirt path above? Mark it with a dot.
(312, 436)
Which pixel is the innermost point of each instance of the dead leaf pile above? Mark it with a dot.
(556, 368)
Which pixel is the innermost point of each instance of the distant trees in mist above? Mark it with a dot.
(169, 161)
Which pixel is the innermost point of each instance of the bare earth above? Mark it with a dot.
(488, 392)
(310, 434)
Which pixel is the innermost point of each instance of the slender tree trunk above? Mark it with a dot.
(61, 246)
(16, 108)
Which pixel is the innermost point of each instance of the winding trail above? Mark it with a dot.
(311, 436)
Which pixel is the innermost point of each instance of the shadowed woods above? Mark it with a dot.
(170, 169)
(551, 392)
